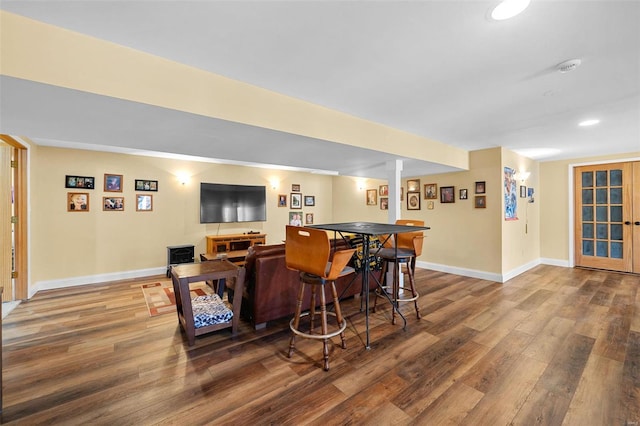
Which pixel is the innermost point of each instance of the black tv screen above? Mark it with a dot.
(222, 203)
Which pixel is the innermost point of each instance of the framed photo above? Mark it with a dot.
(384, 203)
(295, 218)
(430, 191)
(295, 187)
(480, 202)
(113, 204)
(84, 182)
(480, 187)
(372, 197)
(282, 200)
(530, 192)
(401, 193)
(413, 185)
(144, 202)
(430, 205)
(296, 201)
(463, 194)
(146, 185)
(308, 219)
(413, 200)
(77, 201)
(309, 200)
(447, 194)
(383, 190)
(523, 191)
(112, 183)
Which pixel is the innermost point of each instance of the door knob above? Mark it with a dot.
(627, 223)
(636, 222)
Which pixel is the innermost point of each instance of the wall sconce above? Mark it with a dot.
(274, 183)
(523, 176)
(361, 183)
(183, 178)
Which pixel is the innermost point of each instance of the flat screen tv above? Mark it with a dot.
(223, 203)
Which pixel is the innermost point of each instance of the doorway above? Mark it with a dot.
(13, 219)
(607, 216)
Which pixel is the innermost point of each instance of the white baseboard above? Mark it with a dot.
(555, 262)
(473, 273)
(94, 279)
(491, 276)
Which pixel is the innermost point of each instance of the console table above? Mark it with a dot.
(233, 247)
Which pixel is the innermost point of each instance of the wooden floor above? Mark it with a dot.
(552, 346)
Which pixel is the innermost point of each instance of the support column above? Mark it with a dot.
(394, 176)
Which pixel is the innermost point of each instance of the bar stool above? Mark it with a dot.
(405, 252)
(308, 251)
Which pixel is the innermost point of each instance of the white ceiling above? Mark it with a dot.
(438, 69)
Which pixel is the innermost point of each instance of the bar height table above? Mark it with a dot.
(366, 230)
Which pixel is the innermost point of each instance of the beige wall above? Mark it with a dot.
(67, 245)
(555, 200)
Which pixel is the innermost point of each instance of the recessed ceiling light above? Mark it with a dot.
(508, 9)
(569, 65)
(586, 123)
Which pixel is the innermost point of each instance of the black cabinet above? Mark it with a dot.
(179, 254)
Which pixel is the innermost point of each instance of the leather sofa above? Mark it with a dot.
(271, 290)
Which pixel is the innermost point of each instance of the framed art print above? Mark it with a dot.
(309, 200)
(296, 201)
(77, 201)
(113, 204)
(146, 185)
(413, 200)
(144, 202)
(372, 197)
(83, 182)
(413, 185)
(430, 191)
(447, 194)
(112, 183)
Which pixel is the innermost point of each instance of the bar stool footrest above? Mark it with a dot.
(337, 332)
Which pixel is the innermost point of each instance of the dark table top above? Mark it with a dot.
(368, 228)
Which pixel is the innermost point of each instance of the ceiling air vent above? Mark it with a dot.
(569, 65)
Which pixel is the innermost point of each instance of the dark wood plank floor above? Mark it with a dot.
(552, 346)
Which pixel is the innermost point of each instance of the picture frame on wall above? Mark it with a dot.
(146, 185)
(144, 202)
(309, 200)
(295, 187)
(372, 197)
(384, 203)
(84, 182)
(430, 191)
(296, 201)
(480, 187)
(430, 205)
(523, 191)
(112, 183)
(413, 200)
(77, 201)
(413, 185)
(113, 204)
(447, 194)
(308, 219)
(463, 194)
(480, 202)
(383, 190)
(295, 218)
(282, 200)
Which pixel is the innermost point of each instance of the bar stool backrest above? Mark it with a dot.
(307, 250)
(409, 240)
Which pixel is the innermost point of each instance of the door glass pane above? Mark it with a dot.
(616, 232)
(602, 249)
(587, 196)
(616, 214)
(601, 196)
(615, 177)
(601, 231)
(601, 178)
(587, 230)
(587, 247)
(601, 214)
(616, 250)
(616, 195)
(587, 179)
(587, 213)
